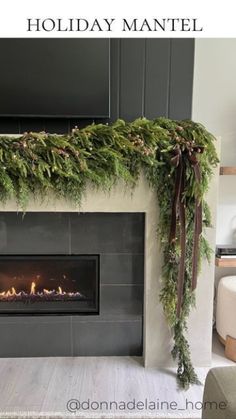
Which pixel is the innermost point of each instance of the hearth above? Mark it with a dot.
(49, 284)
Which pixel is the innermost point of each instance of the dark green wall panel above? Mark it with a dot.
(181, 78)
(149, 77)
(157, 75)
(132, 78)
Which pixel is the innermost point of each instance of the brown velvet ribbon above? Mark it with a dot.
(178, 215)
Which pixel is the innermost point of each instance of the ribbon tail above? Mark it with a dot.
(181, 273)
(178, 179)
(197, 232)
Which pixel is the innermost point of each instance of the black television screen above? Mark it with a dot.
(54, 77)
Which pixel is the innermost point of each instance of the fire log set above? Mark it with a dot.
(44, 295)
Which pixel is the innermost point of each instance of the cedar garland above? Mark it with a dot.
(177, 158)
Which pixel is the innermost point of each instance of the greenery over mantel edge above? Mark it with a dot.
(177, 158)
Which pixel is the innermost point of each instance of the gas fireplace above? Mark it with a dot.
(49, 284)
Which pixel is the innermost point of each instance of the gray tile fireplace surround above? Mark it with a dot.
(119, 240)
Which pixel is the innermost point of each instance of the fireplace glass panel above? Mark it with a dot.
(49, 284)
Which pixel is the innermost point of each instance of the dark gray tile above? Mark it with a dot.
(26, 338)
(101, 317)
(122, 268)
(35, 233)
(114, 338)
(118, 328)
(34, 320)
(107, 233)
(123, 299)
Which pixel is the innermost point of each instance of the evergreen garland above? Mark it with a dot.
(101, 155)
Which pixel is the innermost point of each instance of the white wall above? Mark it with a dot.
(214, 105)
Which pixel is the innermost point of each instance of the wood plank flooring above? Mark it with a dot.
(41, 388)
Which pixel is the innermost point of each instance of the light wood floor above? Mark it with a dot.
(41, 387)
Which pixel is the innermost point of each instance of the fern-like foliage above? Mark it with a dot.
(101, 155)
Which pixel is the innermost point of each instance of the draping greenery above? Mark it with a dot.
(104, 154)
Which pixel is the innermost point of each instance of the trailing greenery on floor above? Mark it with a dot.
(177, 158)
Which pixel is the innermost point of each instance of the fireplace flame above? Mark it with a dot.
(9, 293)
(12, 293)
(32, 289)
(45, 291)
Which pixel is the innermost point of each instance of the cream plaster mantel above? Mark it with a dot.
(156, 334)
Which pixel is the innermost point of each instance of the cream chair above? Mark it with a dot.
(226, 315)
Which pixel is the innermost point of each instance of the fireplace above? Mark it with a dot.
(72, 284)
(49, 284)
